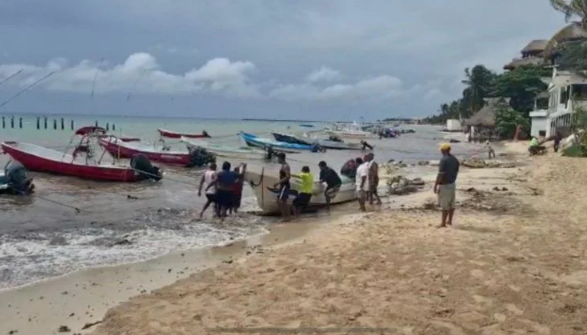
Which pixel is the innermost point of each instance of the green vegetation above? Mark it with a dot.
(520, 85)
(508, 119)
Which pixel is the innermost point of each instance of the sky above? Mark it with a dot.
(283, 59)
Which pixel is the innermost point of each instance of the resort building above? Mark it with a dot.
(532, 54)
(539, 115)
(567, 92)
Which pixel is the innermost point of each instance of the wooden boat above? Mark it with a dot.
(120, 149)
(173, 134)
(353, 131)
(37, 158)
(327, 144)
(226, 151)
(102, 132)
(262, 185)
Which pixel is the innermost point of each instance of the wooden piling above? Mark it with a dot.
(38, 122)
(3, 123)
(96, 123)
(71, 124)
(54, 124)
(62, 124)
(12, 122)
(107, 126)
(113, 127)
(45, 121)
(20, 123)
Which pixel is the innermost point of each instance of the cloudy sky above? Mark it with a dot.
(305, 59)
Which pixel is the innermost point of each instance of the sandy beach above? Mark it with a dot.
(512, 264)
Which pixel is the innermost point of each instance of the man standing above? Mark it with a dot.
(209, 178)
(448, 169)
(332, 181)
(373, 178)
(362, 182)
(284, 186)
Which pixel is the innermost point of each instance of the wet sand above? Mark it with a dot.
(512, 264)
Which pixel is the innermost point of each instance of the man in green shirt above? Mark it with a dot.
(305, 190)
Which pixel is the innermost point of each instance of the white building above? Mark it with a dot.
(539, 115)
(567, 91)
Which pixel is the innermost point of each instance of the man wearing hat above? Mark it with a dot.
(448, 169)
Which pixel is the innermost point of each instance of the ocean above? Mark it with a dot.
(43, 237)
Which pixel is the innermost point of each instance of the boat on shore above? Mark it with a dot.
(174, 134)
(327, 144)
(259, 142)
(262, 184)
(226, 151)
(120, 149)
(40, 159)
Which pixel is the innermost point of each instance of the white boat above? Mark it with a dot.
(262, 185)
(226, 151)
(352, 131)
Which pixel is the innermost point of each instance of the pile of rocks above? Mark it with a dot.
(400, 185)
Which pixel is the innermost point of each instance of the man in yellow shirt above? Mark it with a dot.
(305, 190)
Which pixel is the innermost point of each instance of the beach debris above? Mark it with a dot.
(478, 163)
(91, 324)
(124, 241)
(423, 163)
(63, 329)
(12, 332)
(452, 140)
(400, 185)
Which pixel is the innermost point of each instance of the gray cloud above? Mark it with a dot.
(386, 57)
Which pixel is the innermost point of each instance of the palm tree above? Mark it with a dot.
(572, 8)
(479, 81)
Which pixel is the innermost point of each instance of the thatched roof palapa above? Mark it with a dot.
(535, 46)
(523, 61)
(572, 32)
(485, 117)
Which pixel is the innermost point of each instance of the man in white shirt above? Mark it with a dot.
(362, 182)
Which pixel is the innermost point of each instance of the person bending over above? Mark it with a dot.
(332, 181)
(305, 190)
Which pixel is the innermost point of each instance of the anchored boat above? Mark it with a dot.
(254, 141)
(121, 149)
(327, 144)
(173, 134)
(226, 151)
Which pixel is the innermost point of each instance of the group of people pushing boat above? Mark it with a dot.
(223, 189)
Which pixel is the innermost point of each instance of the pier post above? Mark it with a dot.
(62, 124)
(20, 123)
(113, 127)
(71, 124)
(3, 123)
(38, 122)
(12, 122)
(55, 124)
(107, 126)
(45, 121)
(96, 123)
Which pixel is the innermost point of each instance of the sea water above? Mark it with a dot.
(40, 239)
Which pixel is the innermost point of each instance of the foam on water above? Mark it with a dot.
(44, 255)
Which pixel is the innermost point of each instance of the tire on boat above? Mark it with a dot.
(141, 164)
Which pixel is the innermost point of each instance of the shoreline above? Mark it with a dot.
(92, 292)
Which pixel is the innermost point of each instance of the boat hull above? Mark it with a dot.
(355, 135)
(172, 134)
(123, 150)
(35, 161)
(254, 141)
(262, 185)
(327, 144)
(222, 151)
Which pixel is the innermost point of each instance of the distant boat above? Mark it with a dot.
(307, 125)
(173, 134)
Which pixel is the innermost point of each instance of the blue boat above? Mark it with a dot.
(254, 141)
(307, 125)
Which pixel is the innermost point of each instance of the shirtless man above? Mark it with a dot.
(284, 186)
(373, 179)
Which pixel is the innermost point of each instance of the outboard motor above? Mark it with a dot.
(16, 180)
(146, 170)
(200, 157)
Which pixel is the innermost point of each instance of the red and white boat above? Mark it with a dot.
(173, 134)
(120, 149)
(40, 159)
